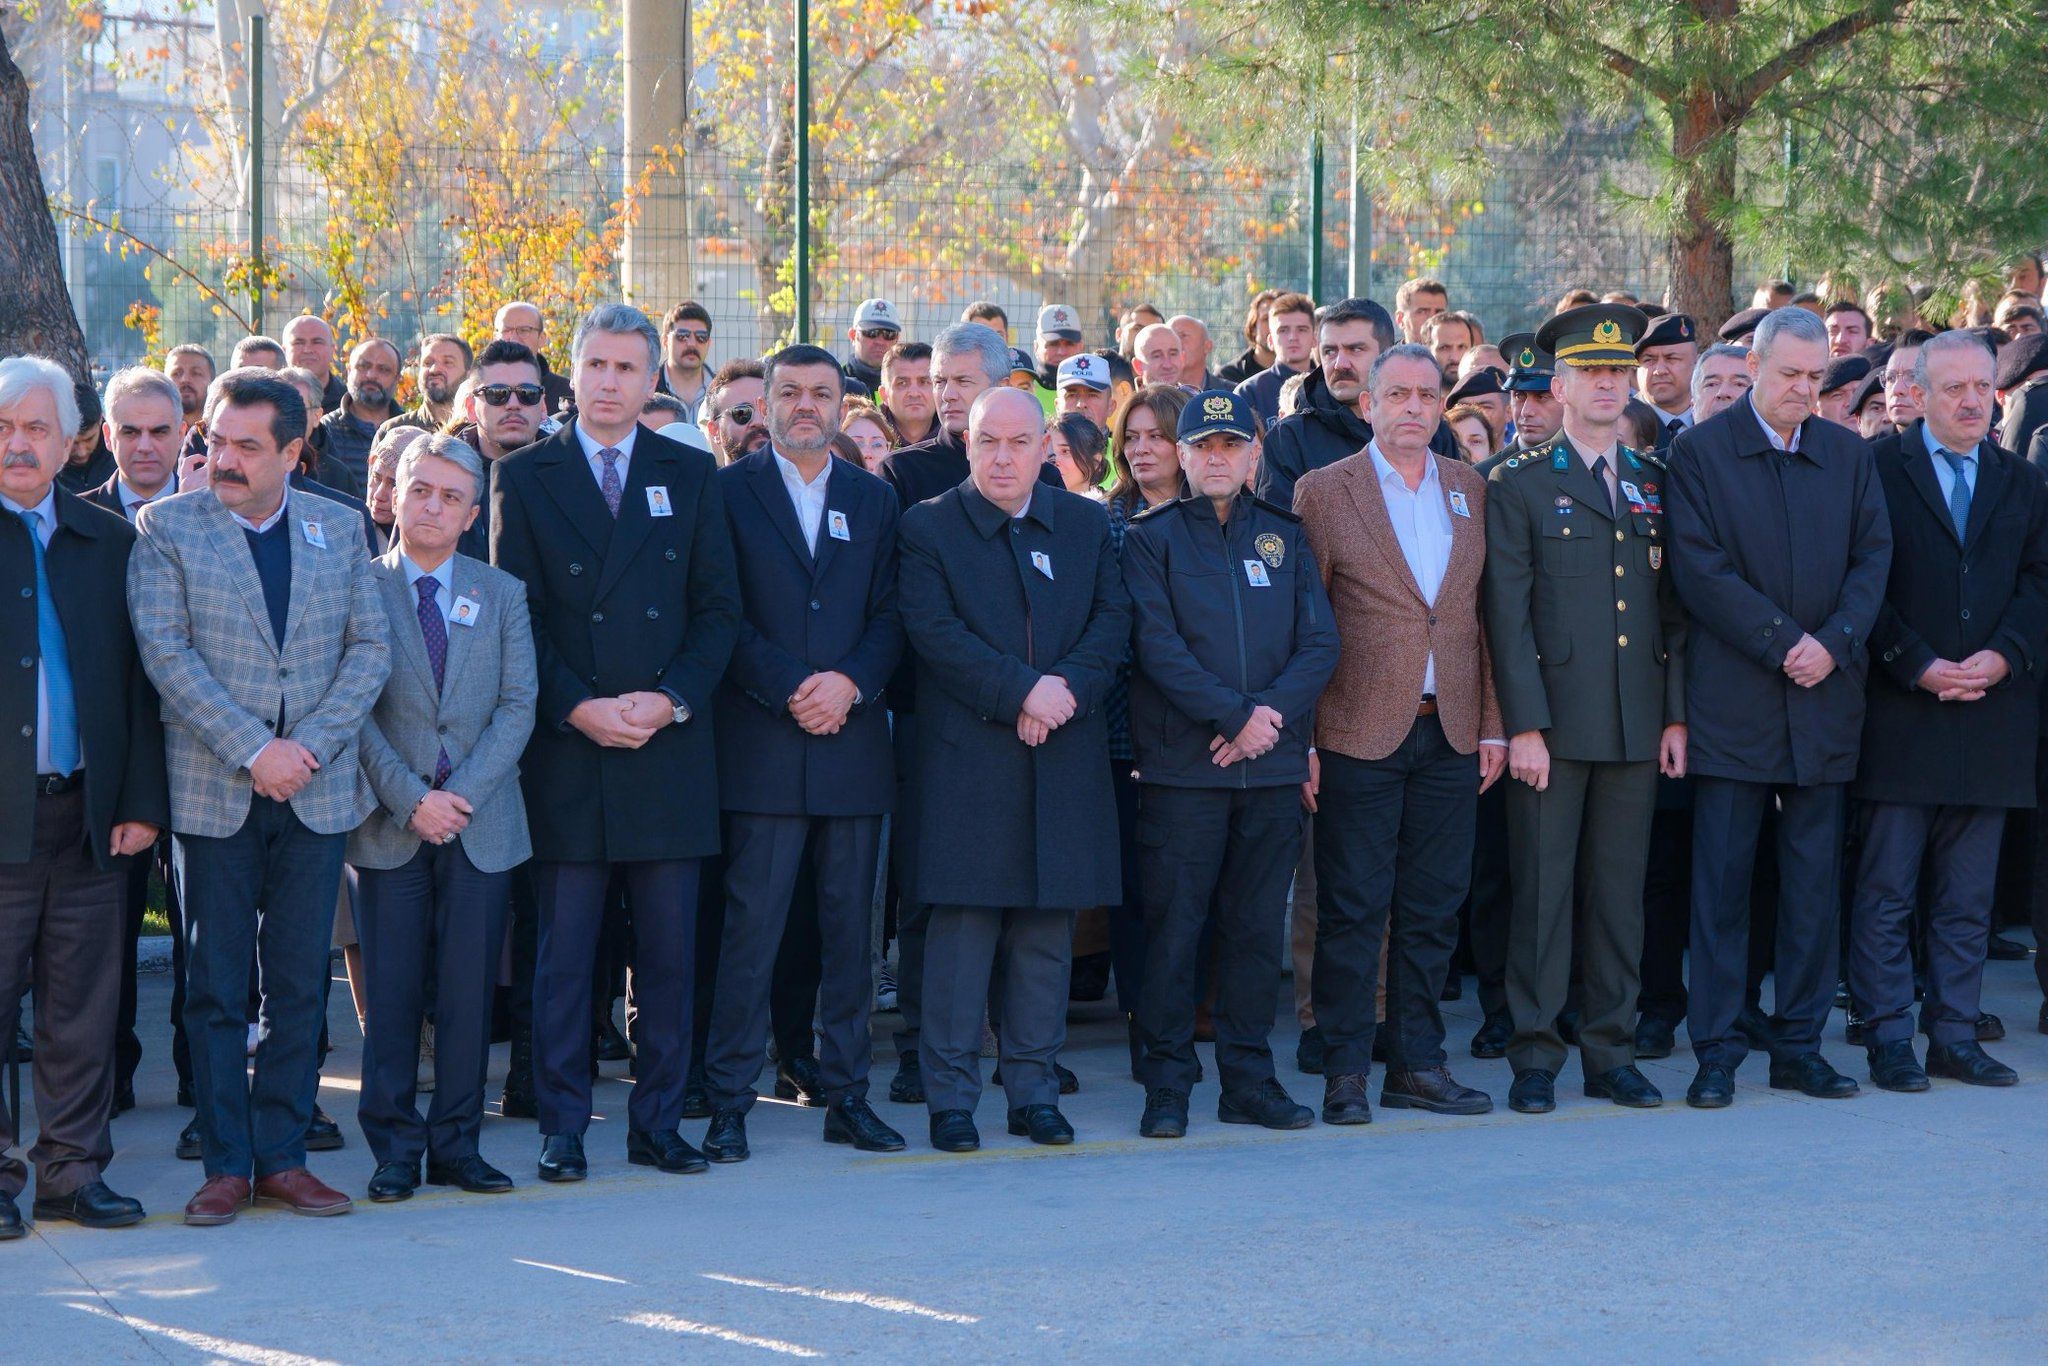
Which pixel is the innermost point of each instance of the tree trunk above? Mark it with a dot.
(35, 311)
(1701, 252)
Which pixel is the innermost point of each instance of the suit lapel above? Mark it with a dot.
(650, 468)
(233, 549)
(565, 474)
(306, 559)
(1468, 540)
(838, 498)
(402, 609)
(462, 639)
(1379, 524)
(765, 479)
(1920, 474)
(1984, 498)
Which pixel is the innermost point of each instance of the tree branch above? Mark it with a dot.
(1807, 50)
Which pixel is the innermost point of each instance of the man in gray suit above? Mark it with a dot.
(257, 616)
(431, 869)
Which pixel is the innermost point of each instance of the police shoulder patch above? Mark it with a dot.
(1272, 548)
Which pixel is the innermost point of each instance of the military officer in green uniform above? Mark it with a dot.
(1532, 402)
(1587, 639)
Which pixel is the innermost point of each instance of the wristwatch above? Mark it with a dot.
(682, 708)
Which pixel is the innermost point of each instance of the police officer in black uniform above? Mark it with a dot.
(1234, 641)
(1587, 639)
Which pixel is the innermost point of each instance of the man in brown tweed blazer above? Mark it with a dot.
(1407, 736)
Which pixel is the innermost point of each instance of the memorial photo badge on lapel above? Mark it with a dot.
(1042, 562)
(657, 501)
(315, 537)
(835, 523)
(1459, 505)
(1255, 574)
(465, 613)
(1271, 549)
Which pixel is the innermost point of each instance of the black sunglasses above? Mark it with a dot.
(877, 333)
(695, 334)
(742, 413)
(498, 395)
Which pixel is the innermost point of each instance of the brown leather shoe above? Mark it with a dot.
(301, 1192)
(1433, 1089)
(218, 1201)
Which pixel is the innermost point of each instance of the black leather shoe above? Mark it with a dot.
(1041, 1124)
(186, 1097)
(1379, 1048)
(1308, 1053)
(561, 1158)
(612, 1045)
(1841, 995)
(1069, 1083)
(953, 1131)
(666, 1151)
(323, 1135)
(2003, 950)
(1534, 1091)
(91, 1205)
(1433, 1089)
(11, 1226)
(799, 1079)
(1990, 1029)
(1491, 1039)
(1454, 988)
(1344, 1099)
(1166, 1114)
(518, 1103)
(1957, 1062)
(1713, 1087)
(1267, 1105)
(2042, 1023)
(124, 1099)
(394, 1181)
(1624, 1086)
(191, 1147)
(1810, 1074)
(1855, 1029)
(1655, 1038)
(1894, 1068)
(854, 1121)
(1568, 1028)
(726, 1139)
(696, 1095)
(907, 1087)
(471, 1174)
(1752, 1024)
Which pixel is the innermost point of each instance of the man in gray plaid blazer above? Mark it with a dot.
(257, 616)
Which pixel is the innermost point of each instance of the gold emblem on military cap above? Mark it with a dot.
(1527, 359)
(1271, 549)
(1608, 333)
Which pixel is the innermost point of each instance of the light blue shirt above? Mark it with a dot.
(46, 526)
(1770, 432)
(1422, 524)
(444, 579)
(1944, 474)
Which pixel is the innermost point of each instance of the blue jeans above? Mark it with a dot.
(267, 891)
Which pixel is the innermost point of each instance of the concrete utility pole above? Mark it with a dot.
(655, 265)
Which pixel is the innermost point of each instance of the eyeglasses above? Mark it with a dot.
(498, 395)
(740, 414)
(695, 334)
(878, 333)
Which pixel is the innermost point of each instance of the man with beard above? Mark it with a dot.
(503, 412)
(349, 429)
(444, 362)
(906, 392)
(1328, 426)
(685, 342)
(191, 368)
(309, 344)
(735, 419)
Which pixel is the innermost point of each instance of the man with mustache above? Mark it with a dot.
(345, 434)
(735, 419)
(444, 362)
(685, 342)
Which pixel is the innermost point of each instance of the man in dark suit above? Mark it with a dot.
(620, 537)
(1779, 547)
(967, 360)
(81, 792)
(1665, 355)
(431, 869)
(804, 745)
(1014, 604)
(257, 618)
(1954, 714)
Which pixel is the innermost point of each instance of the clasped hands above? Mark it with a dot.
(624, 722)
(1967, 681)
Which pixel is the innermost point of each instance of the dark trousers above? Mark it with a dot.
(127, 1044)
(1667, 916)
(764, 855)
(964, 944)
(1958, 846)
(912, 914)
(1393, 860)
(799, 967)
(432, 928)
(1579, 847)
(268, 890)
(1128, 949)
(1727, 815)
(571, 900)
(1221, 858)
(1491, 900)
(60, 928)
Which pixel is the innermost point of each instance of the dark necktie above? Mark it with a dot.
(1672, 429)
(1600, 473)
(436, 632)
(609, 485)
(1958, 492)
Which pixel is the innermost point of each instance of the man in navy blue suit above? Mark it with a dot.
(804, 752)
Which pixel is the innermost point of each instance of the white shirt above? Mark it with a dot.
(1770, 432)
(131, 500)
(1943, 473)
(1422, 524)
(808, 498)
(591, 447)
(268, 522)
(46, 526)
(444, 581)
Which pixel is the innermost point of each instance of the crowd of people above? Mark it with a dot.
(1621, 664)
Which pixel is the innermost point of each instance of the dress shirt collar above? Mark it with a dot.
(268, 522)
(1665, 417)
(45, 511)
(444, 576)
(1386, 471)
(1770, 432)
(794, 477)
(592, 446)
(1934, 446)
(131, 500)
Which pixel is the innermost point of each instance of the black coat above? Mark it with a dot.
(1320, 432)
(1948, 599)
(120, 725)
(1002, 823)
(1213, 638)
(1243, 368)
(642, 604)
(2026, 413)
(806, 613)
(1766, 547)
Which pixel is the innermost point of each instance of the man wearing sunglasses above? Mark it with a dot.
(685, 342)
(504, 412)
(876, 327)
(734, 417)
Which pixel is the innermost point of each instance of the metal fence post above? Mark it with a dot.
(803, 171)
(1315, 213)
(255, 55)
(1359, 272)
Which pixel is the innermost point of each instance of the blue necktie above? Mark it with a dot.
(63, 736)
(436, 632)
(1958, 492)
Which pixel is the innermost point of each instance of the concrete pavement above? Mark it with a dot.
(1881, 1227)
